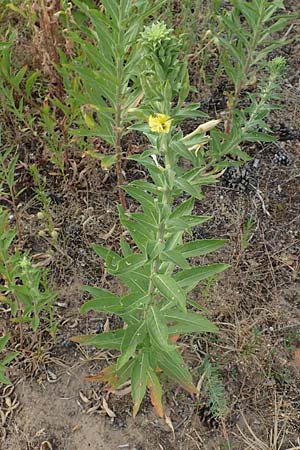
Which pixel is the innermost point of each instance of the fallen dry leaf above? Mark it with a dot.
(297, 358)
(108, 411)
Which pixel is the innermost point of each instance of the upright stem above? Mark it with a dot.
(118, 150)
(166, 202)
(118, 118)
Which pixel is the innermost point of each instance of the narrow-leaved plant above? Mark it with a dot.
(247, 36)
(101, 79)
(6, 360)
(24, 287)
(154, 266)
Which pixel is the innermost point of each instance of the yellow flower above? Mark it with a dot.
(160, 123)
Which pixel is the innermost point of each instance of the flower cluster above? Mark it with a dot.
(160, 123)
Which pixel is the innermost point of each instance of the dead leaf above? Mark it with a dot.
(155, 402)
(174, 338)
(170, 425)
(45, 445)
(83, 397)
(297, 358)
(106, 327)
(109, 412)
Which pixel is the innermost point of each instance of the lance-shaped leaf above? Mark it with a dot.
(134, 309)
(184, 209)
(3, 341)
(173, 365)
(123, 374)
(185, 222)
(133, 335)
(109, 256)
(139, 380)
(137, 280)
(103, 301)
(145, 219)
(200, 247)
(128, 264)
(125, 247)
(145, 186)
(155, 392)
(175, 257)
(111, 340)
(188, 187)
(158, 329)
(188, 279)
(145, 199)
(171, 290)
(137, 230)
(3, 378)
(8, 358)
(189, 322)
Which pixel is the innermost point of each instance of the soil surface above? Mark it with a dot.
(256, 303)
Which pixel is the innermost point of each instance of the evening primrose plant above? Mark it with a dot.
(154, 266)
(101, 78)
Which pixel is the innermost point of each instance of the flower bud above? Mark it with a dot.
(54, 234)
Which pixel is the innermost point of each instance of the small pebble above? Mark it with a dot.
(282, 157)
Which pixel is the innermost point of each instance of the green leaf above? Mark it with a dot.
(189, 322)
(3, 378)
(8, 358)
(256, 136)
(175, 257)
(145, 186)
(134, 309)
(188, 279)
(137, 230)
(124, 374)
(133, 335)
(16, 80)
(158, 329)
(139, 380)
(184, 209)
(30, 82)
(104, 301)
(137, 281)
(173, 365)
(168, 287)
(128, 264)
(186, 222)
(200, 247)
(185, 186)
(35, 321)
(3, 341)
(106, 254)
(125, 247)
(144, 198)
(146, 220)
(197, 306)
(111, 340)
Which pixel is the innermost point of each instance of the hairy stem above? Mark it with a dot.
(118, 118)
(166, 203)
